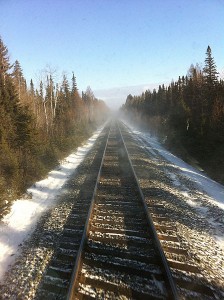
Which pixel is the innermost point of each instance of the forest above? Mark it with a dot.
(39, 125)
(187, 116)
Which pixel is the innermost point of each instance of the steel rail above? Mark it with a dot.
(76, 270)
(173, 290)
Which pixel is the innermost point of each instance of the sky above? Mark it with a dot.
(116, 47)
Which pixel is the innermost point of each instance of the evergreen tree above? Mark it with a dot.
(5, 65)
(210, 83)
(37, 127)
(18, 79)
(74, 84)
(32, 92)
(210, 70)
(65, 86)
(42, 90)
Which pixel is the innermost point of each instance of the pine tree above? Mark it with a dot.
(32, 99)
(5, 65)
(32, 92)
(210, 70)
(41, 90)
(18, 79)
(65, 85)
(210, 84)
(74, 84)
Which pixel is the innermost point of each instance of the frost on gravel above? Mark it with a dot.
(194, 202)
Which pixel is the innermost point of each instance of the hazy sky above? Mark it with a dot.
(113, 43)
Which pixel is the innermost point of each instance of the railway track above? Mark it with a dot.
(110, 248)
(116, 253)
(120, 255)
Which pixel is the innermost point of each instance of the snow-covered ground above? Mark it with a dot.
(16, 226)
(212, 193)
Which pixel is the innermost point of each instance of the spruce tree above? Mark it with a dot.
(210, 83)
(5, 65)
(32, 92)
(210, 70)
(18, 79)
(74, 84)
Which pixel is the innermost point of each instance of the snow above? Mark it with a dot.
(17, 225)
(209, 190)
(211, 187)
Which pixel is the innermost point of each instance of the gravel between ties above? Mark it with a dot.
(195, 233)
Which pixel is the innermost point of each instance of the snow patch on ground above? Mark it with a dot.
(206, 184)
(20, 222)
(211, 187)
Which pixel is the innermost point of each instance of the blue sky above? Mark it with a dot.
(113, 44)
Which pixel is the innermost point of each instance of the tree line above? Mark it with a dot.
(188, 115)
(39, 125)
